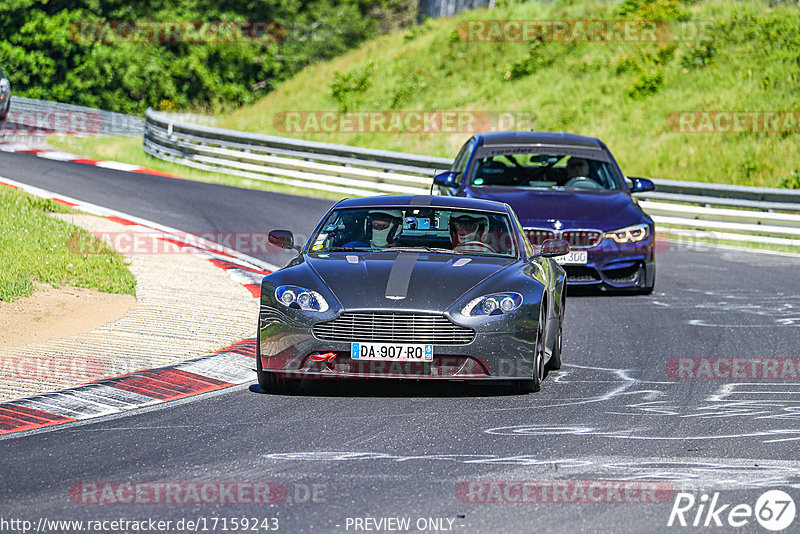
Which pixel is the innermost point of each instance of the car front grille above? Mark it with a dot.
(579, 239)
(626, 274)
(537, 236)
(381, 327)
(579, 273)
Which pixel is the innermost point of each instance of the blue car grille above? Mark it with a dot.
(580, 273)
(582, 238)
(626, 274)
(537, 236)
(577, 239)
(381, 327)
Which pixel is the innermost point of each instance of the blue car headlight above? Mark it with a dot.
(300, 298)
(630, 234)
(494, 304)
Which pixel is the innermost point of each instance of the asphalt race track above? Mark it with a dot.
(620, 410)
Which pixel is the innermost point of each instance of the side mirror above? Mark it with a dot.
(641, 185)
(554, 247)
(281, 238)
(445, 179)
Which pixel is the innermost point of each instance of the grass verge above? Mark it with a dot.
(38, 248)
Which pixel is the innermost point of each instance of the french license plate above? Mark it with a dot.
(576, 257)
(391, 352)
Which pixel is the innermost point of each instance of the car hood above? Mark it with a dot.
(605, 210)
(424, 281)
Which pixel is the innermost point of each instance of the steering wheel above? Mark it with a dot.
(583, 182)
(483, 245)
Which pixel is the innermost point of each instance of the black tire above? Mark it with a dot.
(532, 386)
(554, 363)
(646, 290)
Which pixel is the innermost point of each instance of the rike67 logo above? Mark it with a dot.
(774, 510)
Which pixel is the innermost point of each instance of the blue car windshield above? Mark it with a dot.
(543, 171)
(437, 230)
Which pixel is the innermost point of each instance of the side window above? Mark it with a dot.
(525, 243)
(461, 160)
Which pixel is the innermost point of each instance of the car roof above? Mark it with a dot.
(424, 201)
(533, 138)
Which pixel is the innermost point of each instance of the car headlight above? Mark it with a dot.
(4, 85)
(494, 304)
(630, 234)
(300, 298)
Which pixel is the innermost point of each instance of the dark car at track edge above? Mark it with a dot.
(5, 97)
(413, 287)
(566, 186)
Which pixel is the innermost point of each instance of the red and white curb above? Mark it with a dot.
(231, 366)
(57, 155)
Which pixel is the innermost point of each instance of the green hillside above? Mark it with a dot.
(126, 56)
(746, 57)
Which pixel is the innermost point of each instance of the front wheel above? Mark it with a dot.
(532, 386)
(647, 289)
(554, 363)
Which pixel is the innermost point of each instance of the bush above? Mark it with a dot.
(792, 181)
(44, 56)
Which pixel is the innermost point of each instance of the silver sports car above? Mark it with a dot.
(413, 287)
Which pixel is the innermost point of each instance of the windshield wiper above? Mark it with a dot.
(426, 248)
(343, 249)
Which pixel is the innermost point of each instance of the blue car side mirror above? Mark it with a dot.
(642, 185)
(445, 179)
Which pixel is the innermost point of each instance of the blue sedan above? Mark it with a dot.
(564, 186)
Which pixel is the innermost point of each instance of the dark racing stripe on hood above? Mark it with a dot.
(400, 275)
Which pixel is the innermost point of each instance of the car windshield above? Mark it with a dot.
(438, 230)
(543, 171)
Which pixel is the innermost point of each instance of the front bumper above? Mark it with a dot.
(288, 347)
(615, 266)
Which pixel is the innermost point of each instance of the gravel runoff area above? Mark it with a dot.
(185, 307)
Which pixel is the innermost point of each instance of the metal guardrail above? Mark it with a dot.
(736, 213)
(42, 117)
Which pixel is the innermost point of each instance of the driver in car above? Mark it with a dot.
(579, 175)
(383, 227)
(577, 167)
(469, 233)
